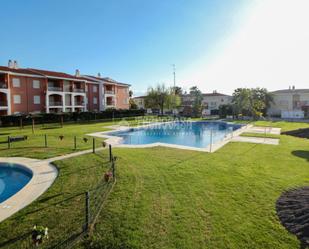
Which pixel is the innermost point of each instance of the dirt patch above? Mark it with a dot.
(302, 133)
(293, 211)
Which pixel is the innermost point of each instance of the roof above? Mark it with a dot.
(292, 91)
(19, 70)
(139, 97)
(55, 74)
(61, 75)
(214, 94)
(208, 95)
(107, 80)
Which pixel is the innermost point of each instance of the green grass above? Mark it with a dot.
(166, 198)
(62, 207)
(252, 134)
(169, 198)
(34, 147)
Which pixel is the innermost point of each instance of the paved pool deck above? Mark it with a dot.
(44, 174)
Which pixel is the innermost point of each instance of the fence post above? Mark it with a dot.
(45, 137)
(9, 142)
(75, 143)
(113, 168)
(93, 145)
(210, 148)
(110, 152)
(87, 210)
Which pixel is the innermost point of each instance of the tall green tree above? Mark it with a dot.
(252, 102)
(197, 104)
(162, 97)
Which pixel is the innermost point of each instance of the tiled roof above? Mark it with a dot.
(107, 79)
(292, 91)
(208, 95)
(54, 74)
(19, 70)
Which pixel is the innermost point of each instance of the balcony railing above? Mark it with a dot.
(80, 103)
(3, 85)
(55, 103)
(109, 92)
(55, 88)
(79, 90)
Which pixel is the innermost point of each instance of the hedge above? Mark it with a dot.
(17, 120)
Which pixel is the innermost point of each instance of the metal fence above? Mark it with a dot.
(64, 233)
(53, 143)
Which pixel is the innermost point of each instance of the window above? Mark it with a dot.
(36, 84)
(16, 82)
(17, 99)
(95, 89)
(37, 100)
(95, 100)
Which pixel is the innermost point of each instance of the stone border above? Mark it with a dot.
(117, 141)
(43, 176)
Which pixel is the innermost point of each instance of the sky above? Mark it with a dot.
(215, 44)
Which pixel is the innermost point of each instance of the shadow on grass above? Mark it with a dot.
(16, 239)
(301, 153)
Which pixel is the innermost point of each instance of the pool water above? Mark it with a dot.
(194, 134)
(12, 179)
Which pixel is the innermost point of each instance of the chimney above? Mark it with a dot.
(77, 73)
(293, 87)
(99, 75)
(10, 64)
(289, 87)
(15, 65)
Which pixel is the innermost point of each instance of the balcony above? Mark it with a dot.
(79, 90)
(3, 104)
(55, 103)
(109, 92)
(55, 88)
(3, 85)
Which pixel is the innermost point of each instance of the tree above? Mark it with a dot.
(197, 96)
(162, 97)
(225, 110)
(253, 102)
(132, 104)
(156, 97)
(177, 90)
(241, 101)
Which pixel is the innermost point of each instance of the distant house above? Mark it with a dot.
(211, 102)
(290, 103)
(140, 102)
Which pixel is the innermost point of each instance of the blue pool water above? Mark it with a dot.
(193, 134)
(12, 179)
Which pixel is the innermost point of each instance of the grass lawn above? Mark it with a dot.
(34, 146)
(252, 134)
(169, 198)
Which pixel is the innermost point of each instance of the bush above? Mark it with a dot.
(43, 118)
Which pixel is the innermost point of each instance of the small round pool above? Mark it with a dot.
(13, 177)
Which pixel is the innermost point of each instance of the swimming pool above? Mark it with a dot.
(13, 177)
(197, 134)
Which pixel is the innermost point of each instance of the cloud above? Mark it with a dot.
(269, 49)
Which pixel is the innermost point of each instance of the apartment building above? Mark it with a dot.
(140, 102)
(211, 102)
(29, 90)
(290, 103)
